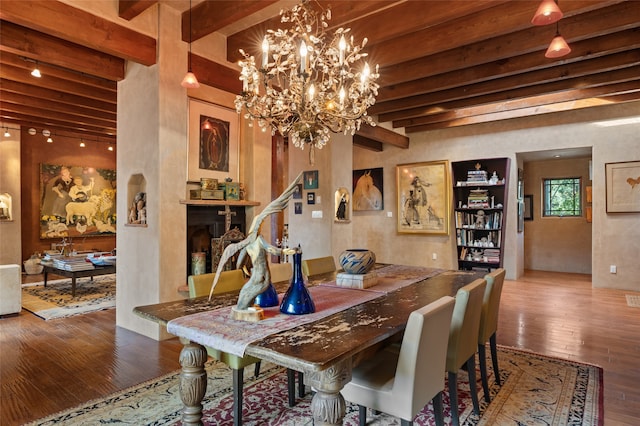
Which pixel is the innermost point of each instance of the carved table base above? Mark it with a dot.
(193, 382)
(328, 406)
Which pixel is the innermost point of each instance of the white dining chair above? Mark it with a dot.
(489, 327)
(401, 382)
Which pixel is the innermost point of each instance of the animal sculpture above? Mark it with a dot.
(257, 248)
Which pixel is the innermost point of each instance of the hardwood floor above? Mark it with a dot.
(48, 366)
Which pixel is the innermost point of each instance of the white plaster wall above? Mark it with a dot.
(10, 231)
(615, 237)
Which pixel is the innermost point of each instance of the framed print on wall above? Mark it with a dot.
(213, 142)
(424, 205)
(528, 207)
(310, 178)
(368, 189)
(623, 187)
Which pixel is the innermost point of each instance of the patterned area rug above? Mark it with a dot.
(55, 301)
(536, 390)
(633, 300)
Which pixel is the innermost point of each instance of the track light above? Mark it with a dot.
(49, 139)
(110, 148)
(82, 144)
(6, 132)
(548, 13)
(190, 81)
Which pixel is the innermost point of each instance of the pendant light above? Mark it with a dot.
(548, 13)
(558, 46)
(36, 71)
(190, 81)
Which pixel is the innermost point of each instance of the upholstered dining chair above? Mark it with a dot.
(318, 265)
(233, 280)
(489, 326)
(463, 341)
(280, 271)
(400, 383)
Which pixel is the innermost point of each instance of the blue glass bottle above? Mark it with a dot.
(267, 298)
(297, 300)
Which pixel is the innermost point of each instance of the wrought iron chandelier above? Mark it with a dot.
(310, 82)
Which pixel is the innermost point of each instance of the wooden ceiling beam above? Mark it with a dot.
(23, 109)
(9, 86)
(31, 101)
(367, 143)
(585, 49)
(129, 9)
(209, 17)
(531, 111)
(412, 106)
(83, 28)
(46, 122)
(540, 100)
(601, 79)
(85, 79)
(54, 83)
(42, 47)
(604, 21)
(216, 75)
(383, 135)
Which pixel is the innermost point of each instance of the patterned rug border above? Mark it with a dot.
(61, 305)
(633, 300)
(261, 393)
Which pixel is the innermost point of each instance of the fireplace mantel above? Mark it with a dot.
(219, 203)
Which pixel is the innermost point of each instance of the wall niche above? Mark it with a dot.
(5, 207)
(137, 201)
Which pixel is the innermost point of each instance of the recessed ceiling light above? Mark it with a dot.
(556, 156)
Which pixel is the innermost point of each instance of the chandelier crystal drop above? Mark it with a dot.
(310, 83)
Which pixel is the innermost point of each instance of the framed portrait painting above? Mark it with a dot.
(423, 192)
(368, 189)
(213, 142)
(623, 187)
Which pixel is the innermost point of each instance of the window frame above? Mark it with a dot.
(545, 213)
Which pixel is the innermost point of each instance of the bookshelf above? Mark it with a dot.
(480, 206)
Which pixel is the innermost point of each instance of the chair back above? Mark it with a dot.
(200, 285)
(422, 355)
(463, 334)
(491, 305)
(280, 272)
(319, 265)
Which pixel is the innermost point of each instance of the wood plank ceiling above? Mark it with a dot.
(442, 63)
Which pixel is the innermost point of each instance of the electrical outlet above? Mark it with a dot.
(613, 269)
(434, 256)
(389, 214)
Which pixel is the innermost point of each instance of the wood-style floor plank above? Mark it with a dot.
(49, 366)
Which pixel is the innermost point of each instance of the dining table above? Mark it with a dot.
(324, 345)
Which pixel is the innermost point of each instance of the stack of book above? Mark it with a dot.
(72, 264)
(478, 198)
(476, 176)
(492, 255)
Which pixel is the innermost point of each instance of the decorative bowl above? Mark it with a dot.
(357, 261)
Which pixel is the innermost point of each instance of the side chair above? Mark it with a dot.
(463, 341)
(489, 326)
(318, 265)
(401, 382)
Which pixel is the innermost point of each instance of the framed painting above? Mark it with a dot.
(528, 207)
(76, 201)
(213, 142)
(623, 187)
(368, 189)
(310, 179)
(423, 192)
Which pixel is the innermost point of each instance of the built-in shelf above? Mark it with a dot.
(219, 203)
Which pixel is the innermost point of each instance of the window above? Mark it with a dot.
(562, 197)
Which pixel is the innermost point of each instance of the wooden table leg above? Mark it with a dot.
(73, 285)
(328, 406)
(193, 382)
(46, 274)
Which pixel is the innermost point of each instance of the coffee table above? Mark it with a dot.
(99, 270)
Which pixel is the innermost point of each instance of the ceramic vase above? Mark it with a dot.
(267, 298)
(357, 261)
(297, 300)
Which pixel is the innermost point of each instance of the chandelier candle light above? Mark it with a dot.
(310, 82)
